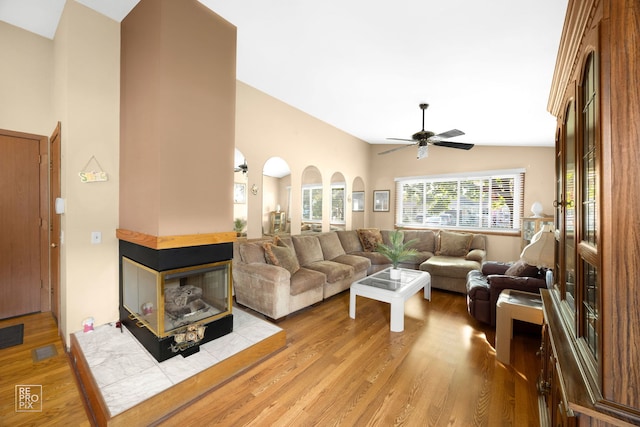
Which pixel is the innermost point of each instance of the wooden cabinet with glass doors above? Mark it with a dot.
(590, 371)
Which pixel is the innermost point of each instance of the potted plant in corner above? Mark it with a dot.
(397, 251)
(238, 226)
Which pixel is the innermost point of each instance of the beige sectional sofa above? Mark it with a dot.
(279, 276)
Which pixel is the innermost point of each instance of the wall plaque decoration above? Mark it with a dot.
(93, 175)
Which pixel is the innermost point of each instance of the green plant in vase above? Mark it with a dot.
(238, 226)
(397, 251)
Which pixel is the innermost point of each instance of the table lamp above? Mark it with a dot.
(541, 251)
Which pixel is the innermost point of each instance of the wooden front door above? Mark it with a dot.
(24, 286)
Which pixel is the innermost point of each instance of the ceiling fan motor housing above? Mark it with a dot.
(422, 135)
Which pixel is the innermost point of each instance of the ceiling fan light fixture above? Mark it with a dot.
(423, 151)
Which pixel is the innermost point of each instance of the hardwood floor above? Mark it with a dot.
(335, 371)
(62, 402)
(440, 371)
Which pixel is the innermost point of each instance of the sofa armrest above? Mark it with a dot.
(262, 287)
(478, 255)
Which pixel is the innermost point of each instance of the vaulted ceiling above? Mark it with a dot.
(364, 66)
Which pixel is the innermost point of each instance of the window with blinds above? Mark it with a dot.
(490, 200)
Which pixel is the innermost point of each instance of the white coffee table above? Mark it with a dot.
(379, 286)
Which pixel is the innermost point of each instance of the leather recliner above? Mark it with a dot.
(484, 286)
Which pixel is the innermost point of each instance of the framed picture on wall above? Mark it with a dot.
(357, 200)
(381, 200)
(239, 192)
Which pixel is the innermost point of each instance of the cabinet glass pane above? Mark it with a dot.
(528, 230)
(589, 158)
(589, 282)
(569, 207)
(590, 307)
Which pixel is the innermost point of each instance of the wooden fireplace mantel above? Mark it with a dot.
(169, 242)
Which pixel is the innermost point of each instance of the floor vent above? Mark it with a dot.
(42, 353)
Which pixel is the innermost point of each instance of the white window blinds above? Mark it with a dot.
(485, 200)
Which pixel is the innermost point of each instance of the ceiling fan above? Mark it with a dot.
(424, 138)
(242, 168)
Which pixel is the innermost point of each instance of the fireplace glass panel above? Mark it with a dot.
(167, 301)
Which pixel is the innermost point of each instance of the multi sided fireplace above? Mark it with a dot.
(174, 300)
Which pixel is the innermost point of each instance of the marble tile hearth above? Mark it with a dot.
(127, 375)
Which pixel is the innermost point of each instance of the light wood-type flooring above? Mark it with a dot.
(62, 401)
(334, 371)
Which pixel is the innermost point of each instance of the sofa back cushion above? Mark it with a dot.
(350, 241)
(252, 252)
(331, 246)
(425, 240)
(454, 244)
(479, 241)
(308, 249)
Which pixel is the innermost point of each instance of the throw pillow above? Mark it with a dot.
(369, 238)
(521, 269)
(282, 256)
(454, 244)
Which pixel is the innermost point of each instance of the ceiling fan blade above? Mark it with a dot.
(396, 149)
(451, 144)
(448, 134)
(401, 139)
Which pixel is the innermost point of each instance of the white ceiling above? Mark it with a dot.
(363, 66)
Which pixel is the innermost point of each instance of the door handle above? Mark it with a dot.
(53, 245)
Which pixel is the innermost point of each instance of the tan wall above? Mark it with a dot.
(267, 127)
(86, 100)
(25, 81)
(538, 163)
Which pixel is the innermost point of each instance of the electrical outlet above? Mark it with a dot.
(96, 237)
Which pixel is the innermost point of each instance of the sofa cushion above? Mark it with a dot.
(252, 252)
(331, 246)
(449, 266)
(359, 263)
(479, 241)
(308, 249)
(454, 244)
(369, 238)
(305, 280)
(376, 258)
(334, 271)
(350, 241)
(521, 269)
(282, 256)
(425, 240)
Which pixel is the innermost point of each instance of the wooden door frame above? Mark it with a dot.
(54, 242)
